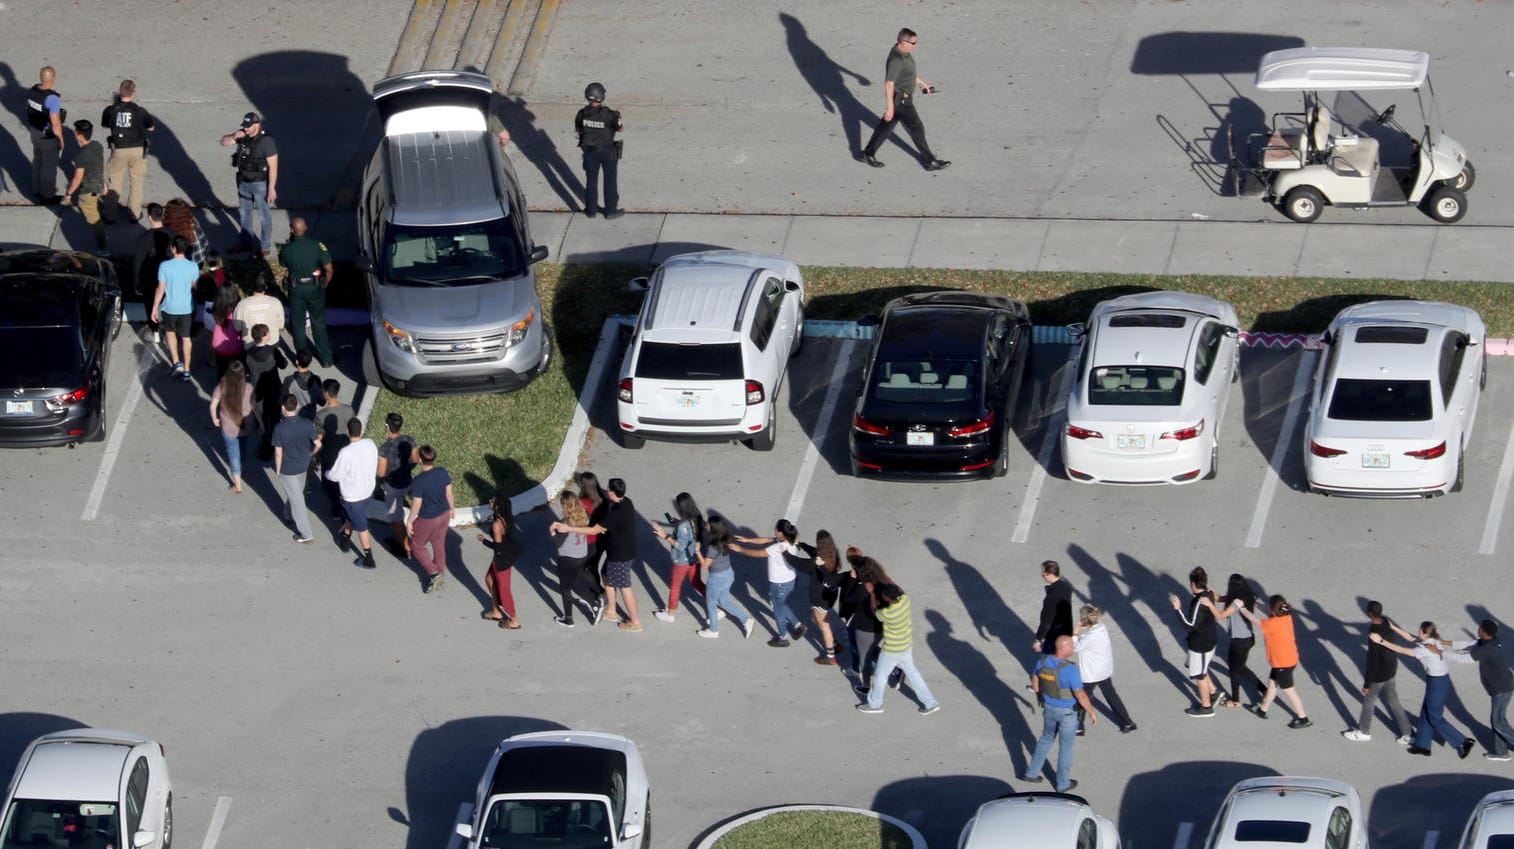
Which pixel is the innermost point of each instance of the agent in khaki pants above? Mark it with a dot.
(126, 126)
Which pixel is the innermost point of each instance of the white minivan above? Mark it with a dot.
(710, 349)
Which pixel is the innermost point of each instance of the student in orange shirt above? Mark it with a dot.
(1282, 656)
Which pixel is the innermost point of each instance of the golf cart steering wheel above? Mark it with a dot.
(1387, 114)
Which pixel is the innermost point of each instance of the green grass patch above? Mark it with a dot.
(815, 830)
(508, 443)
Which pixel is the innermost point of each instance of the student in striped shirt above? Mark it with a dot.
(895, 651)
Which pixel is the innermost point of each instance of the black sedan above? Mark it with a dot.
(59, 311)
(939, 390)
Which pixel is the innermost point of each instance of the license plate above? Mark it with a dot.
(919, 438)
(18, 408)
(1375, 461)
(688, 400)
(1125, 440)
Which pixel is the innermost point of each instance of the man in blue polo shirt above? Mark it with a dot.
(173, 305)
(1056, 679)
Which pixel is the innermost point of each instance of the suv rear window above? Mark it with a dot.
(663, 361)
(1136, 386)
(1148, 319)
(1392, 335)
(1356, 400)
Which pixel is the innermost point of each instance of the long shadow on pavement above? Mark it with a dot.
(1117, 592)
(1156, 803)
(1324, 631)
(1400, 816)
(938, 806)
(828, 79)
(14, 159)
(20, 728)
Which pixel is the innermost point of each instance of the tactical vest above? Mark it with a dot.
(36, 108)
(251, 164)
(126, 128)
(1050, 680)
(598, 123)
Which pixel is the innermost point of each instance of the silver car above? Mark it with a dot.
(1038, 821)
(1302, 813)
(90, 787)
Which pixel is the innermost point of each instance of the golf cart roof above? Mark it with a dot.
(1342, 69)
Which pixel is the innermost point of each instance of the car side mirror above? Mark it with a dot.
(364, 264)
(638, 284)
(1326, 338)
(143, 838)
(790, 286)
(632, 830)
(538, 253)
(1232, 332)
(464, 830)
(868, 321)
(1077, 330)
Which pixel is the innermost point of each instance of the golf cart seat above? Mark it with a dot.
(1284, 150)
(1354, 156)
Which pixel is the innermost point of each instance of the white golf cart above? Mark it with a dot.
(1348, 153)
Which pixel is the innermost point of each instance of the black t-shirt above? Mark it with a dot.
(152, 250)
(1382, 662)
(1203, 632)
(1056, 613)
(296, 436)
(620, 531)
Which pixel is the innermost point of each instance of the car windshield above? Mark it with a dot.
(1501, 841)
(40, 357)
(666, 361)
(1271, 831)
(928, 383)
(1136, 386)
(1356, 400)
(555, 823)
(33, 823)
(457, 254)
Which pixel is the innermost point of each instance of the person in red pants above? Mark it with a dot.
(505, 543)
(431, 510)
(687, 538)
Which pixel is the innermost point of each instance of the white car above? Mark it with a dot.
(1301, 813)
(1394, 400)
(1491, 825)
(561, 790)
(1038, 821)
(1150, 389)
(90, 788)
(710, 349)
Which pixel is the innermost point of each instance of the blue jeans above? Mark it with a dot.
(251, 195)
(904, 660)
(1432, 717)
(1503, 733)
(778, 597)
(717, 597)
(235, 447)
(1060, 724)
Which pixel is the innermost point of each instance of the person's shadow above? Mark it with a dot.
(163, 145)
(13, 160)
(828, 79)
(535, 144)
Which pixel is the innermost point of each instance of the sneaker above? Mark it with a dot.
(614, 214)
(434, 583)
(940, 165)
(1356, 735)
(1490, 756)
(565, 621)
(178, 369)
(1403, 740)
(799, 632)
(826, 660)
(1082, 732)
(1416, 750)
(344, 542)
(664, 615)
(778, 643)
(872, 160)
(747, 628)
(304, 540)
(1031, 779)
(708, 634)
(867, 708)
(1300, 722)
(596, 612)
(1199, 711)
(365, 563)
(1126, 729)
(1465, 748)
(927, 711)
(186, 376)
(1256, 711)
(1072, 783)
(628, 626)
(861, 690)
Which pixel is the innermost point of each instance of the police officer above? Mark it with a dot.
(899, 84)
(127, 125)
(44, 119)
(257, 162)
(309, 265)
(596, 126)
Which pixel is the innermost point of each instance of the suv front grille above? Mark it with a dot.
(460, 349)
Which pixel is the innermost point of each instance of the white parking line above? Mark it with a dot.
(1500, 497)
(1280, 451)
(217, 820)
(118, 435)
(1054, 421)
(1431, 837)
(1185, 834)
(822, 427)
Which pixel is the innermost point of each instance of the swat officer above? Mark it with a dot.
(596, 126)
(309, 265)
(44, 119)
(257, 162)
(127, 125)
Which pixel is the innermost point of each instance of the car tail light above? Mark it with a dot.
(624, 392)
(1428, 453)
(1083, 433)
(1082, 476)
(864, 426)
(1185, 433)
(977, 427)
(78, 395)
(754, 393)
(1319, 450)
(1186, 476)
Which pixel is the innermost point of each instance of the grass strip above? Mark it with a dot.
(815, 830)
(507, 443)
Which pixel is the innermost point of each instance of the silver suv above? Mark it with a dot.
(446, 249)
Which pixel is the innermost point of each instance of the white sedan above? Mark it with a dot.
(90, 788)
(1150, 390)
(1038, 821)
(1394, 400)
(1301, 813)
(561, 790)
(1491, 825)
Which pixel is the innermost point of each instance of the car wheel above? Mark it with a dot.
(631, 441)
(168, 823)
(646, 823)
(1303, 204)
(763, 440)
(118, 320)
(1446, 205)
(1214, 463)
(798, 344)
(1461, 469)
(1001, 465)
(1482, 377)
(1464, 180)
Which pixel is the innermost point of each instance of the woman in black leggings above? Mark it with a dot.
(1239, 595)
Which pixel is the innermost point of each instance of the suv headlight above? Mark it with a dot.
(400, 338)
(519, 328)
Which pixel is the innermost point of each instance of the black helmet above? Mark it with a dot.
(595, 91)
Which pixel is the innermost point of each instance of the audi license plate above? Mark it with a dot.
(18, 408)
(1371, 460)
(688, 399)
(914, 437)
(1130, 440)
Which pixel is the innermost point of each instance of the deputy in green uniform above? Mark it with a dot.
(309, 265)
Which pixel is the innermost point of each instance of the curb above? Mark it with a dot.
(709, 840)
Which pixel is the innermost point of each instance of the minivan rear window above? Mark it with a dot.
(665, 361)
(1356, 400)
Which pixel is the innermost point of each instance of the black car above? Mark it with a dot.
(59, 311)
(939, 390)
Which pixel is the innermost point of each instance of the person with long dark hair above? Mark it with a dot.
(715, 557)
(821, 564)
(781, 578)
(1438, 691)
(619, 528)
(596, 504)
(686, 539)
(1238, 597)
(225, 338)
(573, 571)
(231, 411)
(504, 541)
(859, 612)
